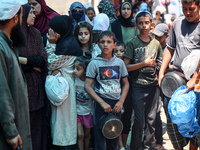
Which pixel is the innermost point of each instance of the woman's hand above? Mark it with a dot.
(55, 72)
(37, 69)
(52, 36)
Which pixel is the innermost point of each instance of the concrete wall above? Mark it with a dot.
(62, 6)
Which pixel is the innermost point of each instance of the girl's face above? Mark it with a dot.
(31, 18)
(83, 36)
(36, 6)
(126, 11)
(79, 71)
(90, 14)
(119, 51)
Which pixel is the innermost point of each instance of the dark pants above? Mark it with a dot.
(126, 116)
(145, 102)
(100, 142)
(70, 147)
(158, 130)
(38, 129)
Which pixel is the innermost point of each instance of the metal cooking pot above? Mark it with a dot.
(110, 125)
(171, 82)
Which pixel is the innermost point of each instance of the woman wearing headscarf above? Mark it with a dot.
(43, 15)
(101, 23)
(33, 59)
(77, 12)
(62, 51)
(124, 27)
(107, 8)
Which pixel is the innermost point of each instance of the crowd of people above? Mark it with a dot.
(60, 74)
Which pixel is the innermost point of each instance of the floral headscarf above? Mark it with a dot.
(109, 9)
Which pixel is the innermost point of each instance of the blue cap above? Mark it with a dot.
(143, 8)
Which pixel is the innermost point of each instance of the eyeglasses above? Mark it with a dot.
(75, 10)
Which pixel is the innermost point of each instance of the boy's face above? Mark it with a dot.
(106, 44)
(119, 51)
(191, 11)
(161, 39)
(143, 24)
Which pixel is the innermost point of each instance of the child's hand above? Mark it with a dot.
(150, 61)
(106, 107)
(118, 107)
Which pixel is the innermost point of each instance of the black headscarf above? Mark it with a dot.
(129, 22)
(36, 57)
(67, 44)
(27, 10)
(116, 25)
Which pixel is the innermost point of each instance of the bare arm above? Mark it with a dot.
(118, 106)
(150, 61)
(88, 88)
(165, 62)
(23, 60)
(191, 82)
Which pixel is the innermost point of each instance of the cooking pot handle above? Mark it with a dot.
(111, 112)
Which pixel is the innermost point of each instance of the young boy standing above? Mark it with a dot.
(140, 56)
(127, 107)
(161, 33)
(107, 70)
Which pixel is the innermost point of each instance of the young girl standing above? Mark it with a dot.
(84, 36)
(84, 103)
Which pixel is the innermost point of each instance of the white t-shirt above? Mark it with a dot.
(84, 102)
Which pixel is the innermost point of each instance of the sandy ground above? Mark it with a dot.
(166, 141)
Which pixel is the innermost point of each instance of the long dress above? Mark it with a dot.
(64, 117)
(36, 57)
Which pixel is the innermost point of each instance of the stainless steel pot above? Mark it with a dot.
(110, 125)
